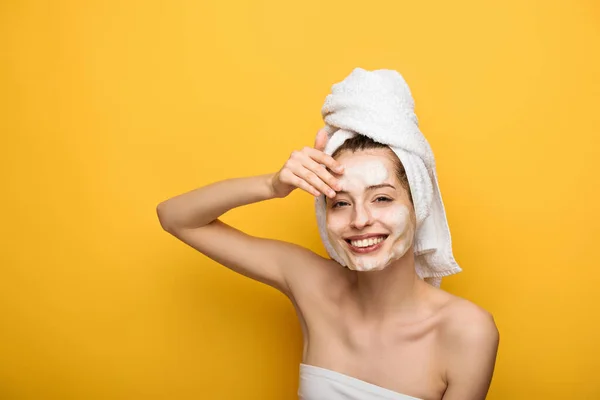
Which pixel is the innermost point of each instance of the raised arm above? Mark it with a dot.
(192, 217)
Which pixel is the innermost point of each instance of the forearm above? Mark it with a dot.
(201, 206)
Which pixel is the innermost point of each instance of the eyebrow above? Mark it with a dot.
(372, 187)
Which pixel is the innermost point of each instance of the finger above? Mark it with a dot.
(302, 184)
(325, 159)
(296, 167)
(322, 173)
(321, 139)
(315, 182)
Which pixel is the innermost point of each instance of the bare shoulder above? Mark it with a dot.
(465, 323)
(469, 340)
(465, 320)
(311, 276)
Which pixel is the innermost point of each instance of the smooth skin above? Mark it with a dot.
(387, 327)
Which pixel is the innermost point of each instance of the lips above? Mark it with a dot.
(365, 236)
(367, 249)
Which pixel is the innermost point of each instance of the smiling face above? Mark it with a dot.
(371, 221)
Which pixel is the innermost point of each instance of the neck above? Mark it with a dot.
(396, 289)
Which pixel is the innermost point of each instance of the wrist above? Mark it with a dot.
(269, 181)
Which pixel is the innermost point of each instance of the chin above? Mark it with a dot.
(360, 268)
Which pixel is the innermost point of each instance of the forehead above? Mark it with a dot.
(366, 168)
(374, 159)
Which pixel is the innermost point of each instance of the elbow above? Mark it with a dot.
(163, 218)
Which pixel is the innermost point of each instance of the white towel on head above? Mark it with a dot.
(379, 104)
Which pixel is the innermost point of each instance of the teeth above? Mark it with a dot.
(366, 242)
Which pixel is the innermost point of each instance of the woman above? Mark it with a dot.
(373, 330)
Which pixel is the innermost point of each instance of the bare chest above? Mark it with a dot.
(403, 357)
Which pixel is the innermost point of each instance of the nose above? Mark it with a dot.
(361, 217)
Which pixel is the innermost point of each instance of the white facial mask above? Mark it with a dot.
(367, 173)
(390, 218)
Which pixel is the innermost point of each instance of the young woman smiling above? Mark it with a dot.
(371, 330)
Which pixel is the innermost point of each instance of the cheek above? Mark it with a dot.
(335, 223)
(396, 217)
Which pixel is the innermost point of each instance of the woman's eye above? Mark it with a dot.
(338, 204)
(383, 199)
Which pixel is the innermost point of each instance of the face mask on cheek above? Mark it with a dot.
(397, 221)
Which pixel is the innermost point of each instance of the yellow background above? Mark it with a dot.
(110, 107)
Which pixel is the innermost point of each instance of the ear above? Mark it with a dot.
(321, 139)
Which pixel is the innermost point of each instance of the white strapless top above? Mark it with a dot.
(318, 383)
